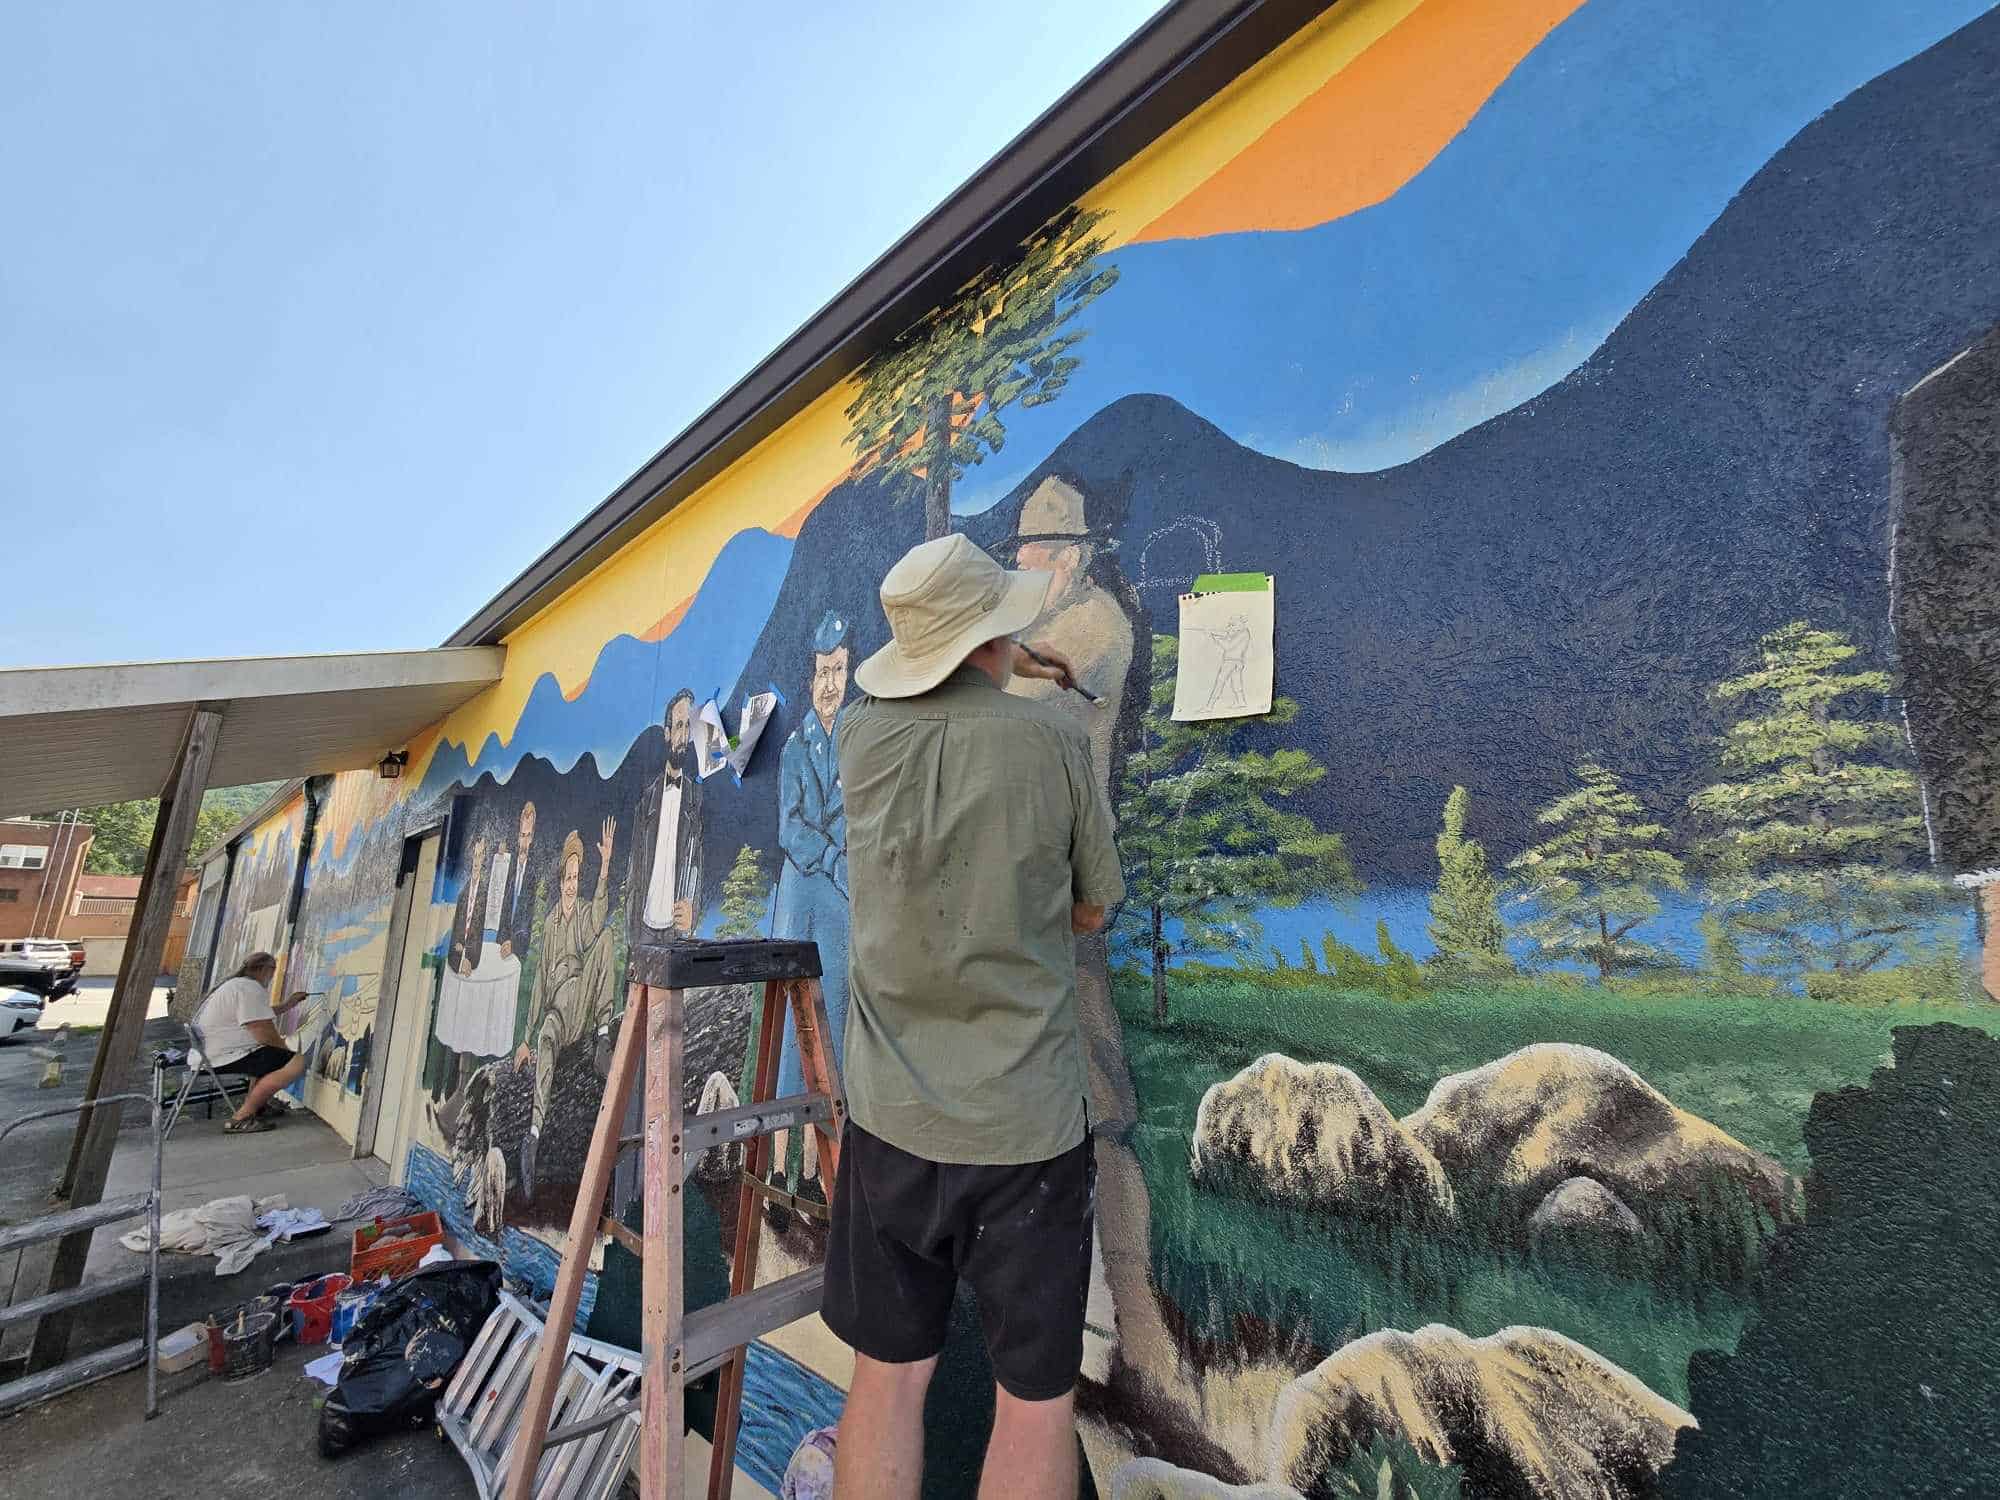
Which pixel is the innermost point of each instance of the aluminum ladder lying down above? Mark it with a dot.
(482, 1407)
(99, 1363)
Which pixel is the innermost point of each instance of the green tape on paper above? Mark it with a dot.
(1232, 583)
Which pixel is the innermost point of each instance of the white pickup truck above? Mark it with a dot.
(48, 966)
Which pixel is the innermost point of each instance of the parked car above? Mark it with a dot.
(19, 1011)
(48, 966)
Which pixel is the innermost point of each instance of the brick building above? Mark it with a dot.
(40, 864)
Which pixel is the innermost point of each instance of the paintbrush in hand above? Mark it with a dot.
(1065, 680)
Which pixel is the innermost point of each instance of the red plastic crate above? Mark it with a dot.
(399, 1256)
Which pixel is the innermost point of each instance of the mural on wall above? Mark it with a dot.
(260, 889)
(1620, 425)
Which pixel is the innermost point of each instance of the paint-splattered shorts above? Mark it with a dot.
(905, 1230)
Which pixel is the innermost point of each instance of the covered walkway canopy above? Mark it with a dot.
(84, 736)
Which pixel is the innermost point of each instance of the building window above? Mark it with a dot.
(23, 856)
(8, 893)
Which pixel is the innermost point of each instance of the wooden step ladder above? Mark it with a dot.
(678, 1346)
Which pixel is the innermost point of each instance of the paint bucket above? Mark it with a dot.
(348, 1307)
(274, 1301)
(312, 1307)
(247, 1341)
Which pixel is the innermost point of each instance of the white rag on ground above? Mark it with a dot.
(223, 1227)
(289, 1223)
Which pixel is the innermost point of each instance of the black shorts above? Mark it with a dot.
(256, 1064)
(905, 1230)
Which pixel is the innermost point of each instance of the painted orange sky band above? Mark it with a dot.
(1374, 125)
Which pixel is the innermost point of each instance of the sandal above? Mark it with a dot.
(246, 1127)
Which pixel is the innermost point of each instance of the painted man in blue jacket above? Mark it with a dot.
(812, 833)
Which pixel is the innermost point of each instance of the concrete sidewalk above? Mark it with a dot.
(212, 1437)
(301, 1157)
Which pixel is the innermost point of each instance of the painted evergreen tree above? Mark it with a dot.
(1596, 879)
(930, 403)
(1815, 864)
(745, 897)
(1465, 907)
(1205, 841)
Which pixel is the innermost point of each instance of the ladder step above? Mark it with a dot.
(81, 1371)
(697, 964)
(714, 1332)
(744, 1122)
(70, 1220)
(50, 1302)
(597, 1422)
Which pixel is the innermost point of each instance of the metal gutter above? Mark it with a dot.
(1180, 59)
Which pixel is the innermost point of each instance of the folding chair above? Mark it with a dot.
(198, 1048)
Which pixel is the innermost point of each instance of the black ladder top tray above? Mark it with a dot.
(696, 963)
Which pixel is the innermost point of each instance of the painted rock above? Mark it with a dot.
(1533, 1412)
(1315, 1136)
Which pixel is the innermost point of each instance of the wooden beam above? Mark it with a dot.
(125, 1025)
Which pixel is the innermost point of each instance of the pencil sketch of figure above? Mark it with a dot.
(1233, 640)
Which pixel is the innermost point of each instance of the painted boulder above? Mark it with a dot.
(1523, 1412)
(1582, 1206)
(1315, 1136)
(1556, 1110)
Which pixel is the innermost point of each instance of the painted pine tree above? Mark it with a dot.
(1816, 862)
(1465, 908)
(1206, 841)
(1596, 879)
(930, 402)
(745, 897)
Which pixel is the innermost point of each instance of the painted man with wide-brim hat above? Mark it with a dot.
(978, 848)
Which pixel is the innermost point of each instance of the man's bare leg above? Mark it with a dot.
(1032, 1455)
(262, 1089)
(879, 1451)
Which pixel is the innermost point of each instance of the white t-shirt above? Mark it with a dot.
(223, 1015)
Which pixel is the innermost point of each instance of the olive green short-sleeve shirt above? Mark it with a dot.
(974, 821)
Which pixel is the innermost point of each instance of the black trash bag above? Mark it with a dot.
(403, 1349)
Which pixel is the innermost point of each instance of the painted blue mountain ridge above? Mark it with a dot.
(1497, 271)
(632, 679)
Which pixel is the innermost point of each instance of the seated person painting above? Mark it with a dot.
(239, 1034)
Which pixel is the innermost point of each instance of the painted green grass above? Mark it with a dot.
(1246, 1274)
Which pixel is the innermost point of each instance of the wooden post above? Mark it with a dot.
(663, 1405)
(125, 1025)
(583, 1227)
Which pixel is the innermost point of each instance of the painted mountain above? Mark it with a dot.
(632, 679)
(1572, 577)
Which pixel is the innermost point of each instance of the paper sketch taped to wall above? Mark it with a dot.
(1225, 658)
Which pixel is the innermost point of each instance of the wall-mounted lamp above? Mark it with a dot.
(390, 767)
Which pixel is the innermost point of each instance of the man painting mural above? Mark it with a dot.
(665, 881)
(574, 986)
(812, 833)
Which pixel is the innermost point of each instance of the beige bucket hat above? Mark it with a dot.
(944, 600)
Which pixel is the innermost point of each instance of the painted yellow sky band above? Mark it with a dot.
(775, 486)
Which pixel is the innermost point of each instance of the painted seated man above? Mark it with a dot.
(573, 989)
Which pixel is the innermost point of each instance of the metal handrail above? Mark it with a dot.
(152, 1217)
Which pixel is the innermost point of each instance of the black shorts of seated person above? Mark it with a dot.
(256, 1064)
(905, 1230)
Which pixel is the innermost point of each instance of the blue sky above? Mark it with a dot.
(318, 323)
